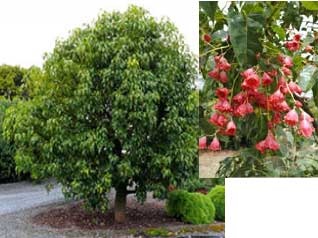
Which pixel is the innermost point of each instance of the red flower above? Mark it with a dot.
(268, 143)
(202, 143)
(251, 82)
(239, 98)
(230, 129)
(306, 116)
(292, 45)
(223, 77)
(298, 104)
(272, 73)
(285, 61)
(215, 145)
(305, 128)
(207, 38)
(214, 74)
(243, 109)
(222, 93)
(286, 70)
(266, 80)
(297, 37)
(222, 63)
(291, 118)
(282, 84)
(218, 120)
(276, 97)
(261, 146)
(294, 88)
(223, 105)
(271, 142)
(281, 106)
(308, 48)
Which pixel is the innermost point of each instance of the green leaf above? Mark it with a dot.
(308, 77)
(209, 8)
(309, 5)
(245, 32)
(315, 93)
(279, 31)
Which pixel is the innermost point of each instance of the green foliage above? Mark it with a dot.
(117, 107)
(194, 208)
(7, 165)
(245, 32)
(217, 195)
(11, 80)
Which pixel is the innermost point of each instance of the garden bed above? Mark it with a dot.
(149, 219)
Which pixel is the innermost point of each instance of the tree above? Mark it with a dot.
(118, 108)
(259, 64)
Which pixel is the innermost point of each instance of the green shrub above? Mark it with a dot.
(194, 208)
(7, 165)
(217, 196)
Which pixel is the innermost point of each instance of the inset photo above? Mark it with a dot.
(258, 89)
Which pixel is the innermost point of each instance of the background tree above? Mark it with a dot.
(118, 108)
(16, 83)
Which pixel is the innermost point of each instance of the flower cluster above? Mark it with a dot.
(294, 44)
(272, 91)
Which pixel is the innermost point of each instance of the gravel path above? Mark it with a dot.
(19, 196)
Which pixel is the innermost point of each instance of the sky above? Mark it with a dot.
(28, 29)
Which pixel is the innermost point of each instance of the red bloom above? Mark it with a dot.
(285, 61)
(243, 110)
(305, 128)
(276, 118)
(218, 120)
(282, 84)
(202, 143)
(272, 73)
(215, 74)
(239, 98)
(291, 118)
(207, 38)
(294, 88)
(292, 45)
(276, 97)
(286, 70)
(230, 129)
(215, 144)
(268, 143)
(297, 37)
(223, 77)
(298, 104)
(261, 146)
(222, 93)
(251, 82)
(266, 80)
(281, 106)
(308, 48)
(306, 116)
(224, 65)
(223, 105)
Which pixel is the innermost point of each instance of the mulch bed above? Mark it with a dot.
(150, 214)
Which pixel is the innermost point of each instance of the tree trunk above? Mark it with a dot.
(120, 205)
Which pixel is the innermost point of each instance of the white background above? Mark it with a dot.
(272, 208)
(30, 28)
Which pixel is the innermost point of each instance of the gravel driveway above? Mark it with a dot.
(19, 196)
(21, 201)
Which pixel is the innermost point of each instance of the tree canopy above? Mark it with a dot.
(118, 108)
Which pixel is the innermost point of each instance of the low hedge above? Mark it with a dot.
(217, 196)
(193, 208)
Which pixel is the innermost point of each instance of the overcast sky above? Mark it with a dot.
(30, 28)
